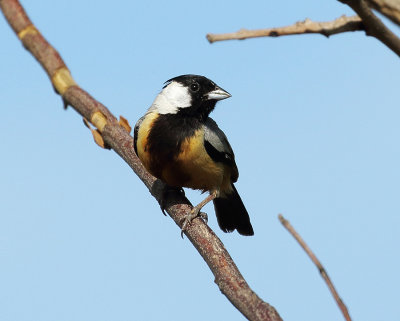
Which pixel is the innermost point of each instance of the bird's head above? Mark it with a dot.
(189, 95)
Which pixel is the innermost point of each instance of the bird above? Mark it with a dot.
(178, 143)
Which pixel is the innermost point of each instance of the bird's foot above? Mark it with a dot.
(195, 212)
(167, 191)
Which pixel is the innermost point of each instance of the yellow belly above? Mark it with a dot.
(194, 161)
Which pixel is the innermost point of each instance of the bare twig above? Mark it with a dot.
(374, 27)
(116, 136)
(318, 264)
(340, 25)
(366, 20)
(389, 8)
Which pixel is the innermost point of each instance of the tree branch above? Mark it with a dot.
(367, 21)
(389, 8)
(374, 27)
(318, 264)
(115, 136)
(340, 25)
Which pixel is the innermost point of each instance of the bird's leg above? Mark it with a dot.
(196, 210)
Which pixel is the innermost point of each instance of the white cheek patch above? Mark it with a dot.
(171, 98)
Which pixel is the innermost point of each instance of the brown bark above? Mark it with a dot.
(374, 27)
(339, 25)
(389, 8)
(366, 20)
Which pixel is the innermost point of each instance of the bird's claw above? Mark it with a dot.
(191, 216)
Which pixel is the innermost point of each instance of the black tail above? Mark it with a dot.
(232, 215)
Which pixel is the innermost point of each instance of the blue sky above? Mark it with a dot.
(315, 126)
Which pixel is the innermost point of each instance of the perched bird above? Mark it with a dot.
(180, 144)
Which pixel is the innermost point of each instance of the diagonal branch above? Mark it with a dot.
(374, 27)
(115, 136)
(389, 8)
(318, 264)
(339, 25)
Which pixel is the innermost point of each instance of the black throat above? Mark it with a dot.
(199, 111)
(170, 130)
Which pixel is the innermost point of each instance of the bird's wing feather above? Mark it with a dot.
(218, 147)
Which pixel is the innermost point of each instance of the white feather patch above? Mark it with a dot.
(171, 98)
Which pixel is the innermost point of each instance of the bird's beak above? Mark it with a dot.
(217, 94)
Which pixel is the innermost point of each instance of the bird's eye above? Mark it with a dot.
(194, 87)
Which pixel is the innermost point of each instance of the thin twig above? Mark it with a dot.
(116, 136)
(340, 25)
(318, 264)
